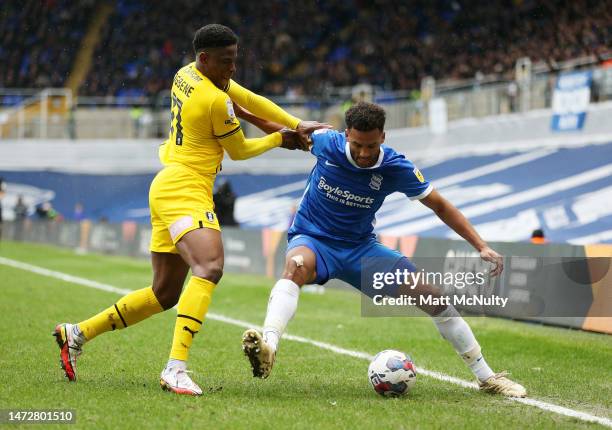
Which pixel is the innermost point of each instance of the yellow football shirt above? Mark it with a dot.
(203, 123)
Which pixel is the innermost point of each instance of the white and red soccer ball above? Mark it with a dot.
(392, 373)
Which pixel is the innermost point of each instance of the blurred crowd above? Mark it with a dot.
(39, 40)
(289, 48)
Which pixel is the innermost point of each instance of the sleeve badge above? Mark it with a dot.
(419, 175)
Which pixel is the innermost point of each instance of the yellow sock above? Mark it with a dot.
(192, 308)
(129, 310)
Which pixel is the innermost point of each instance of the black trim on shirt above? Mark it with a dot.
(228, 134)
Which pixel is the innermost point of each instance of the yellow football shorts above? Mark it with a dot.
(180, 200)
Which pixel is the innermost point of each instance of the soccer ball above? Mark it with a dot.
(392, 373)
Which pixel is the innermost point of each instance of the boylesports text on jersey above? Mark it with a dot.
(344, 197)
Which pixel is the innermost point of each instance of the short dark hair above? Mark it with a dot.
(365, 117)
(213, 36)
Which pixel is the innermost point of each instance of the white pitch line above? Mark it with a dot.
(62, 276)
(323, 345)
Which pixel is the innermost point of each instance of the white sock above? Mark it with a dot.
(480, 368)
(174, 363)
(281, 308)
(454, 329)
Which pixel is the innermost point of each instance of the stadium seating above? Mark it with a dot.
(288, 50)
(40, 40)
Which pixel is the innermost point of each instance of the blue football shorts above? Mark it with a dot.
(347, 261)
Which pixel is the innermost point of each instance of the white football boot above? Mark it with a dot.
(499, 384)
(70, 349)
(259, 353)
(177, 380)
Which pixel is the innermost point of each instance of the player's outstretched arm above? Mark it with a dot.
(262, 124)
(267, 111)
(227, 131)
(240, 148)
(452, 217)
(306, 127)
(300, 141)
(260, 106)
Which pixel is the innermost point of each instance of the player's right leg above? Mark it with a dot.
(449, 323)
(202, 249)
(300, 268)
(169, 272)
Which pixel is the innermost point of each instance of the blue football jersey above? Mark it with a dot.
(341, 199)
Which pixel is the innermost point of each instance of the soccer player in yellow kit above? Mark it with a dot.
(185, 229)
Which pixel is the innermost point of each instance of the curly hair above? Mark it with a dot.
(213, 36)
(365, 117)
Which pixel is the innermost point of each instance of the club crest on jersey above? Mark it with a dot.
(210, 216)
(376, 181)
(230, 110)
(419, 175)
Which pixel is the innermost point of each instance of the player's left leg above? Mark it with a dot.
(202, 250)
(449, 323)
(458, 333)
(169, 274)
(184, 223)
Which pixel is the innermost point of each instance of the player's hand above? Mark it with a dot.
(487, 254)
(307, 127)
(294, 139)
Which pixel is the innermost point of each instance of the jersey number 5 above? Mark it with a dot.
(178, 105)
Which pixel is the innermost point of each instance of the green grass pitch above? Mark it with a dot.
(118, 384)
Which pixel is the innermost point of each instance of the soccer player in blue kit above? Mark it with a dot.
(332, 232)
